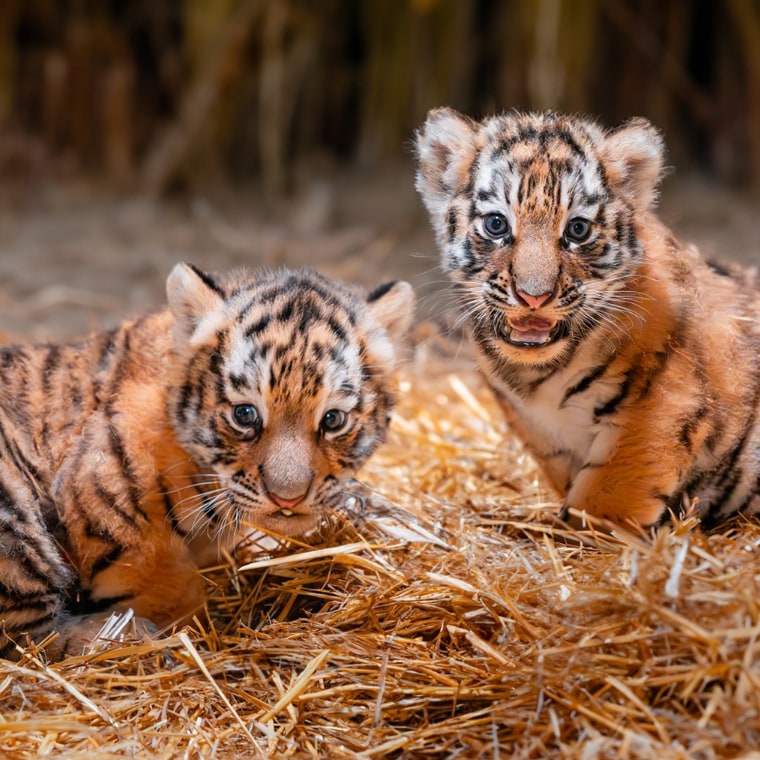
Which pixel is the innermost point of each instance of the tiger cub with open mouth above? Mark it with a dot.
(134, 457)
(627, 364)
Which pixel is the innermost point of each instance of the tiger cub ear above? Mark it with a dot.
(391, 308)
(633, 157)
(196, 301)
(443, 144)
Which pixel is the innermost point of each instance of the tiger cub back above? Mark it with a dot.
(129, 459)
(627, 364)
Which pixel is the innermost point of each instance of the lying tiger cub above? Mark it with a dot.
(627, 364)
(129, 459)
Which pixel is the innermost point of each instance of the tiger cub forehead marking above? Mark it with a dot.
(538, 166)
(291, 341)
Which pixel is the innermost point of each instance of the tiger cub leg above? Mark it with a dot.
(34, 576)
(161, 586)
(158, 579)
(630, 481)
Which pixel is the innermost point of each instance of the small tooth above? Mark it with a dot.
(287, 512)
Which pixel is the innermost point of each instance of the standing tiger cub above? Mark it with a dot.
(128, 460)
(627, 364)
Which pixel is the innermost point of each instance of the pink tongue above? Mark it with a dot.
(532, 323)
(532, 329)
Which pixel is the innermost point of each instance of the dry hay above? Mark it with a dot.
(454, 618)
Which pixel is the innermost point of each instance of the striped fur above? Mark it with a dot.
(627, 364)
(128, 460)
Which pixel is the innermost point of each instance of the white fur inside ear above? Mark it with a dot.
(381, 349)
(444, 138)
(392, 307)
(633, 157)
(197, 305)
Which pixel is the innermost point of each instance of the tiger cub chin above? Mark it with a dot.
(627, 364)
(132, 458)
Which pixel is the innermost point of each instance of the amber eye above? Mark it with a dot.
(334, 420)
(496, 226)
(578, 230)
(246, 415)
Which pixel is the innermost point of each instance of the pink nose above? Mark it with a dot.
(281, 501)
(534, 302)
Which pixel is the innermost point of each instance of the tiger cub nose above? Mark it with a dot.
(284, 503)
(534, 302)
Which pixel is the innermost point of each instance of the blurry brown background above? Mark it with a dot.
(135, 133)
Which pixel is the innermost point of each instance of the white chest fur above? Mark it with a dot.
(565, 432)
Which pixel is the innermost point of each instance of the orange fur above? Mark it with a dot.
(627, 364)
(130, 459)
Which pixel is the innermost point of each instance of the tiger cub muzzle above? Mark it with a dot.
(525, 320)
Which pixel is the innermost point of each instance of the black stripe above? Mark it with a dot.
(84, 604)
(31, 568)
(729, 476)
(380, 291)
(337, 329)
(309, 312)
(208, 507)
(451, 220)
(472, 264)
(585, 382)
(107, 347)
(111, 500)
(662, 358)
(689, 427)
(257, 327)
(285, 314)
(106, 560)
(121, 371)
(610, 407)
(169, 506)
(49, 366)
(719, 269)
(127, 470)
(239, 382)
(730, 473)
(207, 280)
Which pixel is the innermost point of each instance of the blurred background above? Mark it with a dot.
(135, 133)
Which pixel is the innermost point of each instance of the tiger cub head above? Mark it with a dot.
(284, 383)
(536, 218)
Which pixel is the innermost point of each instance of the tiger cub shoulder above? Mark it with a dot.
(628, 365)
(131, 458)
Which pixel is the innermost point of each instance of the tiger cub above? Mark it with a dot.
(132, 458)
(627, 364)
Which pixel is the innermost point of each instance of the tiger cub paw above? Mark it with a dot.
(573, 527)
(86, 634)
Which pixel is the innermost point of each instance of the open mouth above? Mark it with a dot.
(532, 331)
(287, 513)
(287, 521)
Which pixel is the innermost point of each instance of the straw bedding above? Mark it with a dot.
(447, 616)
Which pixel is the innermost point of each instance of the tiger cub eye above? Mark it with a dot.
(578, 230)
(334, 420)
(496, 225)
(246, 415)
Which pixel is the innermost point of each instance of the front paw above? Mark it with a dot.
(579, 528)
(91, 633)
(570, 518)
